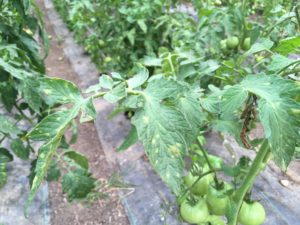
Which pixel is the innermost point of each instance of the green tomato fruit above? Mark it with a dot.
(217, 200)
(201, 187)
(232, 42)
(247, 44)
(215, 220)
(101, 43)
(252, 214)
(197, 213)
(223, 44)
(107, 59)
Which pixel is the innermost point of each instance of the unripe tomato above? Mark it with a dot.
(201, 187)
(217, 200)
(252, 214)
(101, 43)
(247, 44)
(107, 59)
(223, 44)
(197, 213)
(214, 220)
(232, 42)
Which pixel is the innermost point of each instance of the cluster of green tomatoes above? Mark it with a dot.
(206, 199)
(233, 43)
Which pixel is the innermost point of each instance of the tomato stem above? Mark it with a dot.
(209, 164)
(249, 179)
(190, 187)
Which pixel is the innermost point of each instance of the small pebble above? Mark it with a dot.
(284, 183)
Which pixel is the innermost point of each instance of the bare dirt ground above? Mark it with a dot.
(101, 211)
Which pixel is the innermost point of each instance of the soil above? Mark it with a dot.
(100, 211)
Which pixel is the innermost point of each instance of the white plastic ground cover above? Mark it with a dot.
(14, 194)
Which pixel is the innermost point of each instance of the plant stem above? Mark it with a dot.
(297, 15)
(248, 182)
(208, 163)
(295, 70)
(99, 95)
(199, 178)
(24, 115)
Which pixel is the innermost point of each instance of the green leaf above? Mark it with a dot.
(152, 61)
(280, 127)
(59, 91)
(88, 111)
(13, 69)
(7, 126)
(59, 122)
(138, 79)
(189, 106)
(230, 126)
(288, 46)
(31, 94)
(49, 127)
(106, 81)
(53, 172)
(142, 25)
(116, 94)
(8, 96)
(5, 156)
(130, 139)
(164, 130)
(275, 105)
(43, 161)
(77, 184)
(78, 158)
(3, 174)
(233, 98)
(279, 62)
(262, 45)
(19, 149)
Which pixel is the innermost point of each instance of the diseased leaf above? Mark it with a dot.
(59, 122)
(43, 161)
(189, 106)
(88, 111)
(164, 130)
(275, 104)
(280, 128)
(49, 127)
(59, 91)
